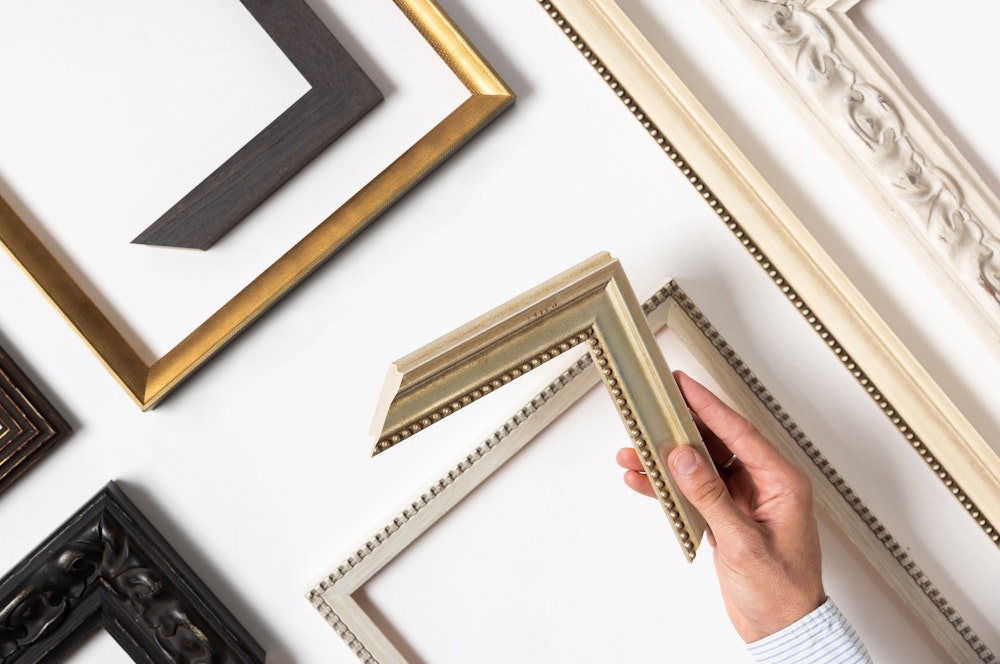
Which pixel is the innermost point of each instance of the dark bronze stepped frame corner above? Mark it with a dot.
(340, 94)
(30, 426)
(108, 567)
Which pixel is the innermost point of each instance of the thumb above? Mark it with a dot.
(706, 492)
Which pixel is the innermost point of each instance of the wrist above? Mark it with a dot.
(824, 634)
(777, 614)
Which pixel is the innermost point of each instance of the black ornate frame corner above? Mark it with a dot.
(30, 426)
(108, 567)
(341, 93)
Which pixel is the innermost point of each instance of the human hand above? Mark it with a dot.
(759, 512)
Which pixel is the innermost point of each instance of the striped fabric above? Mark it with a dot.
(821, 637)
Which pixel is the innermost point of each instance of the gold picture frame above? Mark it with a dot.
(337, 595)
(791, 257)
(148, 384)
(591, 305)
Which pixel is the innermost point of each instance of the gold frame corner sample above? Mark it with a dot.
(147, 384)
(592, 306)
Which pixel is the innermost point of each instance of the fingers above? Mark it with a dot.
(635, 477)
(707, 493)
(639, 483)
(700, 484)
(628, 459)
(716, 448)
(734, 434)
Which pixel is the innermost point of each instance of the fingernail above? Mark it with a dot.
(685, 462)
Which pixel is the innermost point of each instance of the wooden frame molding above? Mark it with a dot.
(340, 94)
(591, 305)
(930, 195)
(107, 566)
(146, 383)
(671, 308)
(796, 263)
(30, 426)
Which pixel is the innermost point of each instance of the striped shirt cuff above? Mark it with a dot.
(821, 637)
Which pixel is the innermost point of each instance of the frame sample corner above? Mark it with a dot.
(108, 567)
(340, 94)
(147, 384)
(591, 305)
(30, 426)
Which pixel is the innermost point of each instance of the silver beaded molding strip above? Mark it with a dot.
(501, 379)
(316, 594)
(673, 291)
(655, 471)
(779, 280)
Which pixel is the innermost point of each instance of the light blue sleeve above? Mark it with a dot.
(821, 637)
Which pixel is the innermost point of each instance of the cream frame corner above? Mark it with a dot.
(668, 308)
(794, 261)
(930, 195)
(147, 383)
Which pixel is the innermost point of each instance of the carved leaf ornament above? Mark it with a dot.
(107, 566)
(945, 220)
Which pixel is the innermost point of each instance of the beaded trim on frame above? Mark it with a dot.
(410, 511)
(898, 551)
(361, 565)
(410, 428)
(592, 302)
(790, 293)
(654, 468)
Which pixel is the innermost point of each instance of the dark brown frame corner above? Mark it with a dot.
(30, 426)
(340, 94)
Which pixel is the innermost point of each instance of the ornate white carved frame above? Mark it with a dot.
(668, 308)
(796, 263)
(932, 197)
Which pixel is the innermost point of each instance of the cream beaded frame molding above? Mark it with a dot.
(668, 308)
(787, 252)
(932, 197)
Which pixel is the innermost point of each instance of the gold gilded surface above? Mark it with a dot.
(148, 384)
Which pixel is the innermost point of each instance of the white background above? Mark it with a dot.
(257, 468)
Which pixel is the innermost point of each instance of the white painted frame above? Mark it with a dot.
(791, 257)
(931, 196)
(668, 308)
